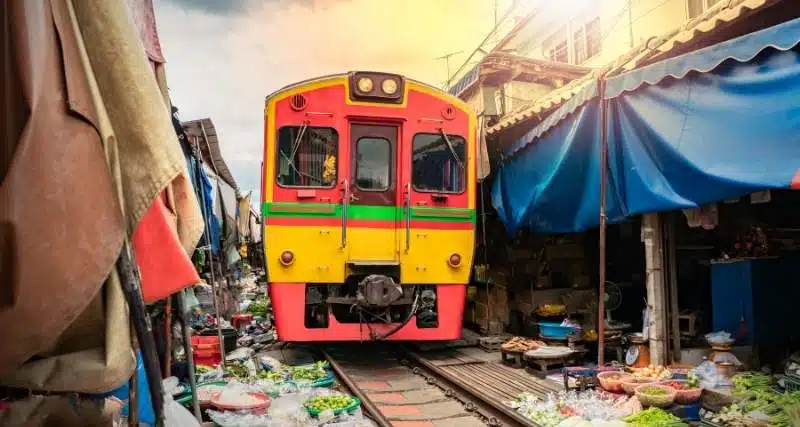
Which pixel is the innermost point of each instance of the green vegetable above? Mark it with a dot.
(653, 391)
(312, 373)
(751, 381)
(654, 417)
(237, 370)
(203, 369)
(331, 402)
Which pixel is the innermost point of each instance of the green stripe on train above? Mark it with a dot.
(364, 212)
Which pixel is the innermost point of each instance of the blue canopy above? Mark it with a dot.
(717, 123)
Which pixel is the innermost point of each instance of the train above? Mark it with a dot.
(368, 209)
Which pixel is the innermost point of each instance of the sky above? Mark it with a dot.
(225, 56)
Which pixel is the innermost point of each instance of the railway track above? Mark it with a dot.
(402, 387)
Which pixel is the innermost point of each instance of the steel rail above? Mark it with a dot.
(368, 405)
(493, 413)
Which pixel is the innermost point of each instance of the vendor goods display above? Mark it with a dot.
(551, 310)
(336, 403)
(612, 381)
(630, 385)
(731, 417)
(548, 352)
(520, 345)
(655, 395)
(588, 408)
(686, 391)
(657, 372)
(239, 398)
(654, 417)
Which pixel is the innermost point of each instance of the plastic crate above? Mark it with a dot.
(686, 412)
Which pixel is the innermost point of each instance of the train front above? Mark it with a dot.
(369, 209)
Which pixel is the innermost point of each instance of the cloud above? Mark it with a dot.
(224, 57)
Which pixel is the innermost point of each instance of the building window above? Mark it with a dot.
(373, 164)
(439, 163)
(593, 37)
(696, 8)
(555, 46)
(307, 156)
(583, 43)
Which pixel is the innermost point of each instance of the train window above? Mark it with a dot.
(307, 156)
(373, 164)
(439, 163)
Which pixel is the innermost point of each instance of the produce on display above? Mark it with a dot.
(591, 406)
(612, 381)
(314, 372)
(332, 402)
(549, 310)
(653, 371)
(654, 417)
(686, 391)
(751, 381)
(631, 384)
(520, 344)
(655, 395)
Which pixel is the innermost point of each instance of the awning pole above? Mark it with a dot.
(187, 347)
(131, 287)
(601, 315)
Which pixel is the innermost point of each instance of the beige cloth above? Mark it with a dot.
(484, 165)
(243, 216)
(62, 223)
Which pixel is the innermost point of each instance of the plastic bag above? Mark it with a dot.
(240, 354)
(710, 376)
(270, 363)
(175, 415)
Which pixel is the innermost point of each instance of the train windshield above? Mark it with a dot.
(308, 156)
(438, 163)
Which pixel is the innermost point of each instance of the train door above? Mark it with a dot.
(372, 219)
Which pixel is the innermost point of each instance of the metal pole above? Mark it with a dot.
(129, 276)
(601, 315)
(168, 337)
(187, 346)
(208, 227)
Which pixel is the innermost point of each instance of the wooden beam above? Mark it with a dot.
(656, 294)
(672, 270)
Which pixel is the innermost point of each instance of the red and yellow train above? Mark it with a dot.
(368, 199)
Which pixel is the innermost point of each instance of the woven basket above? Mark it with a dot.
(660, 400)
(612, 385)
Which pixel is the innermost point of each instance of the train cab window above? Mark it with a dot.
(307, 156)
(439, 163)
(373, 164)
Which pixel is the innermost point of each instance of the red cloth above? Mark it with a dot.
(164, 266)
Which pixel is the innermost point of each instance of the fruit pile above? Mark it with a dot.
(653, 371)
(332, 402)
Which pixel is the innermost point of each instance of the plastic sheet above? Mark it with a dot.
(176, 415)
(710, 376)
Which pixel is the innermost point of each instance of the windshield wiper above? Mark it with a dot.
(450, 147)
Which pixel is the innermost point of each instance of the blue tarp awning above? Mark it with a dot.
(716, 123)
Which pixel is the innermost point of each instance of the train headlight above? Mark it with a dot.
(365, 85)
(287, 258)
(389, 86)
(454, 260)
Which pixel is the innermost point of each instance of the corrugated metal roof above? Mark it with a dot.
(204, 129)
(545, 104)
(466, 81)
(724, 12)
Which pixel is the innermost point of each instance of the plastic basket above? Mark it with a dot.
(187, 400)
(349, 408)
